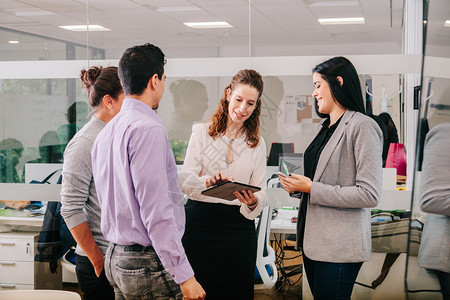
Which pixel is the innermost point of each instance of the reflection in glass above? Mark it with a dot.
(38, 47)
(428, 273)
(271, 100)
(190, 101)
(11, 151)
(31, 112)
(434, 253)
(77, 117)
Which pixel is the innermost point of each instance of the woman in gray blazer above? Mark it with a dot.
(343, 177)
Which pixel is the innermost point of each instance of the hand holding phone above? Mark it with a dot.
(281, 174)
(285, 168)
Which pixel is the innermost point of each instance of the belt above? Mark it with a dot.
(135, 248)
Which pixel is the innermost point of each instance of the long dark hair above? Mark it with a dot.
(349, 94)
(219, 119)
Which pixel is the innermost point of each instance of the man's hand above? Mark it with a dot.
(98, 262)
(192, 290)
(84, 238)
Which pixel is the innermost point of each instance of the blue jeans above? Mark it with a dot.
(135, 272)
(329, 280)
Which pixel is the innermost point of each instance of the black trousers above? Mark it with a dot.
(220, 244)
(92, 286)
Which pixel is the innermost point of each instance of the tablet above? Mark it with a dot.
(225, 190)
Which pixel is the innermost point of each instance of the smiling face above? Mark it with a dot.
(242, 102)
(322, 93)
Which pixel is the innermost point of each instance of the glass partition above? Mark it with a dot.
(38, 118)
(428, 269)
(283, 41)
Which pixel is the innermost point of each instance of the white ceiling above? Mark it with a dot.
(280, 24)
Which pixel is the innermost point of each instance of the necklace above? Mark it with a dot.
(229, 159)
(230, 152)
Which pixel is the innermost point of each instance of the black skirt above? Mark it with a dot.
(220, 244)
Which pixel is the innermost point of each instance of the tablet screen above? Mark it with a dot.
(225, 190)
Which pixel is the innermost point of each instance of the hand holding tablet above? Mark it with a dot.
(226, 189)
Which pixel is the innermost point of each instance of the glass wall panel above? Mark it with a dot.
(22, 46)
(287, 116)
(428, 275)
(257, 28)
(297, 30)
(38, 118)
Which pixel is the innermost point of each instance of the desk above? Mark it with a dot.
(18, 270)
(287, 259)
(20, 220)
(282, 223)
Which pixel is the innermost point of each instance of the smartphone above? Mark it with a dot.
(285, 168)
(281, 174)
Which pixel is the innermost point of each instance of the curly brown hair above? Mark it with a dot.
(219, 119)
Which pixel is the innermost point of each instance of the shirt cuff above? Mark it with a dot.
(182, 272)
(75, 220)
(252, 214)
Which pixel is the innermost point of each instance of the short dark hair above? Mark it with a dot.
(137, 65)
(349, 94)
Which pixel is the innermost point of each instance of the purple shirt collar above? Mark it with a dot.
(135, 104)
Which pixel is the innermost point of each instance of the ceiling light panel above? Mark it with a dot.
(333, 3)
(447, 23)
(342, 21)
(162, 3)
(84, 28)
(219, 24)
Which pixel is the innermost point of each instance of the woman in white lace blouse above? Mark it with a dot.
(220, 239)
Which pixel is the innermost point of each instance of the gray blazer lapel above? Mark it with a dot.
(332, 144)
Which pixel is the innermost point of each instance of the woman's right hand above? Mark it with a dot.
(218, 178)
(296, 183)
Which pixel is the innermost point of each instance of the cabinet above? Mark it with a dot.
(18, 270)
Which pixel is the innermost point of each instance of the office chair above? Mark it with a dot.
(265, 257)
(68, 260)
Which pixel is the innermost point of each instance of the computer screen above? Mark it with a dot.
(278, 149)
(293, 161)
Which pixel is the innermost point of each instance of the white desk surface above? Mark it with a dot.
(282, 223)
(19, 220)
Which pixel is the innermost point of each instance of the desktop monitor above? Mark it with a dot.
(278, 149)
(293, 161)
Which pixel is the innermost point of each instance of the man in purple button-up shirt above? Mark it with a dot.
(142, 214)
